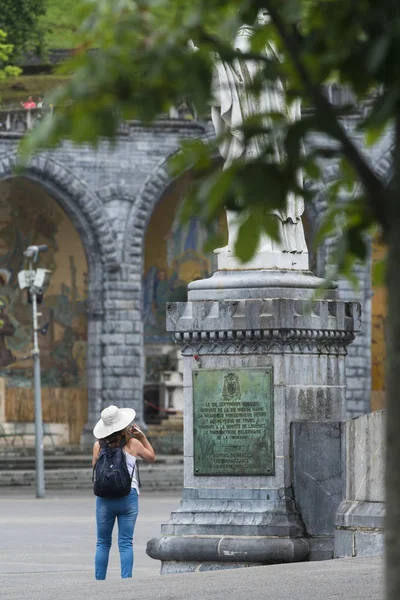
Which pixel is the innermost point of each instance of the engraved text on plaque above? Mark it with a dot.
(233, 422)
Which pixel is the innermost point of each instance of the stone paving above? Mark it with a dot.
(47, 548)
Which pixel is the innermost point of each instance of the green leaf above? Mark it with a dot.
(312, 169)
(374, 134)
(248, 238)
(213, 242)
(378, 52)
(348, 174)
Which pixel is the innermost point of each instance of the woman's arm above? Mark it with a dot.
(140, 446)
(96, 452)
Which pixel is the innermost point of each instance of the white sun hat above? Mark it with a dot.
(113, 419)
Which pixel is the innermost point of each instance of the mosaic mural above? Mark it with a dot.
(184, 262)
(30, 216)
(174, 257)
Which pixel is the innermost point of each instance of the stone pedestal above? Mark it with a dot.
(235, 323)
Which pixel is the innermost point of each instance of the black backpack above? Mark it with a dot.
(111, 478)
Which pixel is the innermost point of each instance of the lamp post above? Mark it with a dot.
(36, 282)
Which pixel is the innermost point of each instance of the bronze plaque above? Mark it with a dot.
(233, 423)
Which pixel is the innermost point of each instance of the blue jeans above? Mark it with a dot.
(124, 509)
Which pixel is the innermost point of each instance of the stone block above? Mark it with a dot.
(321, 548)
(127, 383)
(369, 543)
(230, 494)
(344, 543)
(317, 473)
(188, 430)
(132, 339)
(113, 339)
(365, 444)
(281, 479)
(353, 514)
(124, 327)
(316, 402)
(173, 567)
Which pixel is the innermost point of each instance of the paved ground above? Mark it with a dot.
(47, 546)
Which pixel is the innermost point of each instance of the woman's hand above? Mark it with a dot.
(137, 433)
(142, 446)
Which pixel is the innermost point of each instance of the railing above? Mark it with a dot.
(19, 120)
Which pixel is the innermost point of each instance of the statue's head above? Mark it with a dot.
(263, 17)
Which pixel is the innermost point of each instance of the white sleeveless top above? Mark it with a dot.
(131, 464)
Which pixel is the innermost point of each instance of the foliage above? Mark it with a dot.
(7, 71)
(59, 24)
(135, 64)
(20, 19)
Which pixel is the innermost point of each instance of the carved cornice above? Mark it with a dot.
(319, 318)
(274, 341)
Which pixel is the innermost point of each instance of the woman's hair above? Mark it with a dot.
(117, 437)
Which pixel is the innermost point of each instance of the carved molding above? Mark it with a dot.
(230, 317)
(275, 341)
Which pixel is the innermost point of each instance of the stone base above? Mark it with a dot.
(249, 321)
(359, 529)
(173, 567)
(211, 553)
(258, 283)
(264, 259)
(321, 547)
(221, 526)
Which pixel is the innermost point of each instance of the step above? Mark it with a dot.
(15, 463)
(161, 477)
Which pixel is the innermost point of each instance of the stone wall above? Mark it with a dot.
(318, 481)
(358, 364)
(338, 479)
(109, 194)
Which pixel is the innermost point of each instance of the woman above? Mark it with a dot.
(115, 429)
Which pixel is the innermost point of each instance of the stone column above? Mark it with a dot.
(115, 352)
(260, 351)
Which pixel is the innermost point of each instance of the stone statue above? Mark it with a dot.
(234, 102)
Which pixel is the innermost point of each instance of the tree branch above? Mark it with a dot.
(375, 189)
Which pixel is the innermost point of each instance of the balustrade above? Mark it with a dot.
(19, 120)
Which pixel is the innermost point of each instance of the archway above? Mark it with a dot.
(174, 256)
(30, 216)
(87, 214)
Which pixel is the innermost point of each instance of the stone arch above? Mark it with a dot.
(82, 207)
(147, 199)
(87, 214)
(116, 191)
(141, 211)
